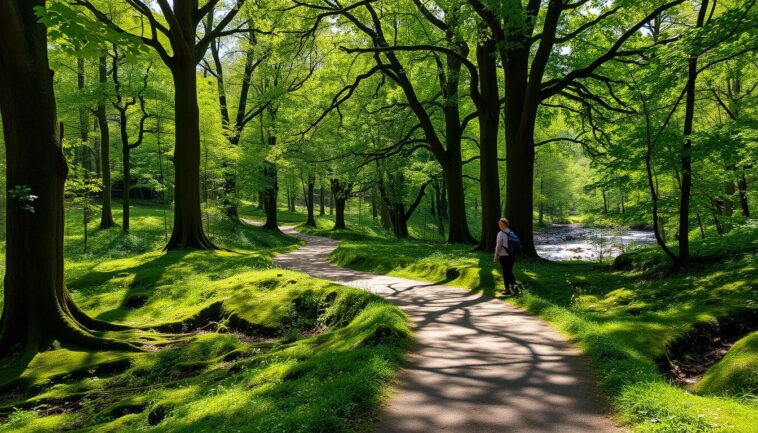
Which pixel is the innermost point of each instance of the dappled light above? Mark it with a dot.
(354, 216)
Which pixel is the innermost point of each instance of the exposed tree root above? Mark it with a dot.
(197, 241)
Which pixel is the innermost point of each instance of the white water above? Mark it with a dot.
(575, 242)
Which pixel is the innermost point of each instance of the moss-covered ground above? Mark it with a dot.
(623, 317)
(229, 343)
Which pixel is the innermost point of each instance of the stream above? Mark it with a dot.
(562, 242)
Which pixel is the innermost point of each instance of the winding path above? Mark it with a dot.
(480, 366)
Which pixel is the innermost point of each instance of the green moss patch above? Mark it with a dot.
(736, 373)
(229, 344)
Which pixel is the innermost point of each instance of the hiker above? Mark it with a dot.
(507, 241)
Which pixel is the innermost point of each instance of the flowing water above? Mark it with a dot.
(575, 242)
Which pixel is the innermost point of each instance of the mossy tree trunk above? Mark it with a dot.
(37, 306)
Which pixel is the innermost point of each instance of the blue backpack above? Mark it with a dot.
(514, 244)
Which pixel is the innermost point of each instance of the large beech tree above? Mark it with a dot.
(37, 307)
(187, 49)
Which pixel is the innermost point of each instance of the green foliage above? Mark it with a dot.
(22, 194)
(83, 36)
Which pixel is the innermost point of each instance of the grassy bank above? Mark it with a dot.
(623, 319)
(229, 343)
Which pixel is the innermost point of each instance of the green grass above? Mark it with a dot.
(623, 319)
(231, 344)
(359, 219)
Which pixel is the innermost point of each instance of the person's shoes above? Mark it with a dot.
(507, 293)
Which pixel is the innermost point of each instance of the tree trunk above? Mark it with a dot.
(686, 161)
(385, 216)
(341, 192)
(188, 222)
(432, 208)
(442, 199)
(86, 154)
(453, 164)
(127, 175)
(662, 230)
(605, 201)
(399, 222)
(489, 124)
(729, 191)
(339, 220)
(458, 231)
(289, 196)
(374, 204)
(106, 215)
(271, 196)
(742, 186)
(292, 195)
(321, 198)
(83, 119)
(700, 223)
(271, 192)
(96, 146)
(519, 194)
(37, 307)
(519, 146)
(126, 153)
(230, 191)
(310, 201)
(541, 220)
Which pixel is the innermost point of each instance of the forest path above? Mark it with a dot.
(480, 365)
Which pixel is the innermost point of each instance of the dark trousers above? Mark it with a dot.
(507, 262)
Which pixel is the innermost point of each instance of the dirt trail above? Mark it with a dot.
(481, 365)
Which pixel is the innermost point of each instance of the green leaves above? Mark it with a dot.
(22, 194)
(76, 33)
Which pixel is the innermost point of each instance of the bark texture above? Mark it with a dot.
(37, 307)
(489, 125)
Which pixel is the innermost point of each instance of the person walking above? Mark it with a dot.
(507, 259)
